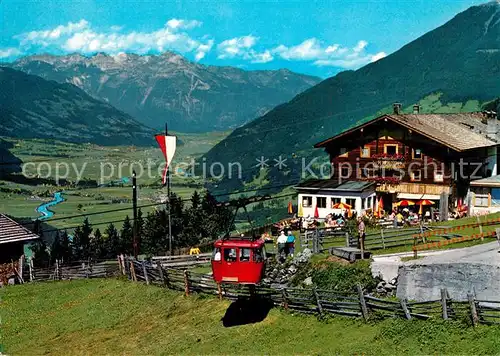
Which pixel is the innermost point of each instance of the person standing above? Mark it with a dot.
(281, 243)
(290, 241)
(361, 233)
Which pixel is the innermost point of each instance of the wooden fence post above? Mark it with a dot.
(186, 282)
(362, 245)
(30, 267)
(480, 227)
(219, 291)
(285, 298)
(160, 272)
(120, 269)
(444, 303)
(473, 309)
(405, 308)
(58, 270)
(318, 302)
(382, 236)
(132, 271)
(362, 302)
(347, 240)
(145, 271)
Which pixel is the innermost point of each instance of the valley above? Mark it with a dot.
(99, 178)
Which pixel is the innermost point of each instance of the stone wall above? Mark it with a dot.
(424, 282)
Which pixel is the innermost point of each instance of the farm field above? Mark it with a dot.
(120, 317)
(45, 155)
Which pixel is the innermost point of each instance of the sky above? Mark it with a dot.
(319, 38)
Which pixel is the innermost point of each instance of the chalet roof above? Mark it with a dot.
(493, 181)
(459, 131)
(333, 185)
(11, 231)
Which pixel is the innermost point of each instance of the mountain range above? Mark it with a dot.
(32, 107)
(457, 65)
(156, 89)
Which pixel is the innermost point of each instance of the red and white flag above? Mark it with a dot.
(167, 145)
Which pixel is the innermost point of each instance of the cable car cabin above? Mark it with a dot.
(238, 260)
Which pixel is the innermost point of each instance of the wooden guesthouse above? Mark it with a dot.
(414, 156)
(13, 239)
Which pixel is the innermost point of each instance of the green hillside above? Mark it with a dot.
(100, 317)
(32, 107)
(459, 60)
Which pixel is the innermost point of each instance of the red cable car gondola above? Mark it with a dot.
(240, 259)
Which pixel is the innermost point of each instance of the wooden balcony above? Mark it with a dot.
(414, 188)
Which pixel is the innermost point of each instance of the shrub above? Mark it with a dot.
(343, 278)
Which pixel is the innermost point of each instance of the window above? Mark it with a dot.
(391, 149)
(438, 175)
(369, 202)
(416, 176)
(368, 172)
(481, 197)
(335, 201)
(345, 172)
(307, 201)
(417, 153)
(351, 202)
(343, 152)
(230, 254)
(321, 202)
(365, 152)
(216, 254)
(363, 203)
(258, 254)
(244, 255)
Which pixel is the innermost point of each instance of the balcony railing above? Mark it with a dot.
(414, 188)
(389, 157)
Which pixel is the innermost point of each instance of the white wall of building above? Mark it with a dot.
(492, 160)
(367, 197)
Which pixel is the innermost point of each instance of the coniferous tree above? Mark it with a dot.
(81, 240)
(66, 251)
(56, 250)
(41, 257)
(127, 237)
(98, 250)
(112, 241)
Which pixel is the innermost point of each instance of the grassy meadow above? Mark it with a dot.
(104, 164)
(104, 317)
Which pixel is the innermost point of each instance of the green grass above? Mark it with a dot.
(120, 317)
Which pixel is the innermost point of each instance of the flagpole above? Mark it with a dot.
(134, 207)
(168, 202)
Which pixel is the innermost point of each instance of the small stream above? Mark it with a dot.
(44, 210)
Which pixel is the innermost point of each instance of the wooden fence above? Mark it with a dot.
(319, 301)
(73, 270)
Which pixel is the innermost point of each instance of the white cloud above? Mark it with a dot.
(307, 50)
(334, 55)
(46, 37)
(202, 50)
(263, 57)
(182, 24)
(175, 35)
(236, 47)
(81, 37)
(9, 52)
(242, 47)
(378, 56)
